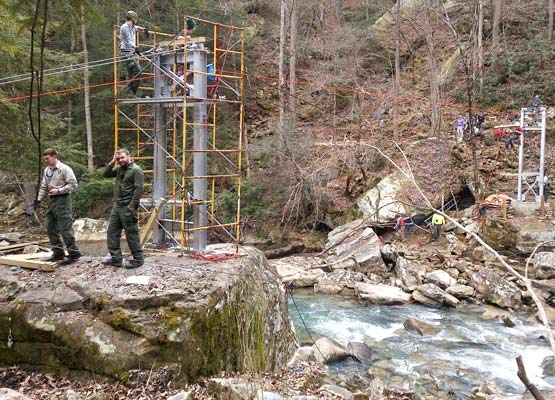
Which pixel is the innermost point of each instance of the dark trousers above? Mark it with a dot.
(437, 231)
(133, 72)
(121, 218)
(59, 221)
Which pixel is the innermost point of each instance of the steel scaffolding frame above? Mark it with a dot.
(179, 122)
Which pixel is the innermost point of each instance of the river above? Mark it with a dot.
(466, 351)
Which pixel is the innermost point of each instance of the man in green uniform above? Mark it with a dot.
(128, 190)
(58, 181)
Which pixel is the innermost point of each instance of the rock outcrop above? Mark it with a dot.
(195, 318)
(495, 289)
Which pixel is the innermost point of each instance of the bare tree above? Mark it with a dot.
(282, 39)
(479, 42)
(550, 24)
(397, 82)
(497, 8)
(293, 63)
(88, 127)
(435, 96)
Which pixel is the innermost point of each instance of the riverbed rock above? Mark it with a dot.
(328, 350)
(410, 272)
(337, 391)
(359, 351)
(436, 293)
(420, 298)
(196, 318)
(302, 354)
(548, 366)
(460, 291)
(420, 327)
(302, 270)
(381, 294)
(183, 395)
(9, 394)
(496, 289)
(357, 246)
(440, 278)
(327, 286)
(544, 265)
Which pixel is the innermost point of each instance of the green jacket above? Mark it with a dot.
(130, 182)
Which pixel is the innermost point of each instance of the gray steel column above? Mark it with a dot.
(200, 159)
(521, 155)
(159, 174)
(542, 153)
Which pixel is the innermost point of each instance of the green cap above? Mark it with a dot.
(191, 24)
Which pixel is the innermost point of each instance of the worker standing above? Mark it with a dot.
(438, 221)
(129, 50)
(400, 226)
(461, 125)
(58, 181)
(128, 190)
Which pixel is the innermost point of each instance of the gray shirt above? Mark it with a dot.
(127, 36)
(59, 177)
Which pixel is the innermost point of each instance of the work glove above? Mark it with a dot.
(147, 32)
(138, 51)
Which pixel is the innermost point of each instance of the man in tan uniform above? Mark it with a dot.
(58, 181)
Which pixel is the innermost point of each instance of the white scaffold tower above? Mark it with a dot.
(531, 182)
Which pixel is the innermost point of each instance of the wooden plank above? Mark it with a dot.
(153, 220)
(22, 245)
(179, 41)
(32, 261)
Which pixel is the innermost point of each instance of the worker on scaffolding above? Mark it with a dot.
(130, 51)
(128, 190)
(536, 107)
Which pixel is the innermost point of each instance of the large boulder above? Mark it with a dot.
(381, 294)
(328, 350)
(384, 201)
(302, 355)
(301, 270)
(532, 232)
(360, 351)
(544, 265)
(460, 291)
(355, 245)
(496, 289)
(440, 278)
(410, 272)
(194, 318)
(88, 229)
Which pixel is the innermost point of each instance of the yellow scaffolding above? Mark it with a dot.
(137, 128)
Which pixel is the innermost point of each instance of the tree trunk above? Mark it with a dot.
(88, 128)
(480, 43)
(497, 7)
(281, 83)
(293, 65)
(550, 25)
(435, 97)
(397, 82)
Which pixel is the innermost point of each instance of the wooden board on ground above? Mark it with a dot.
(17, 246)
(32, 261)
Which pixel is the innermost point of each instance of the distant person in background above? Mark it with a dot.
(515, 135)
(536, 106)
(400, 226)
(438, 221)
(461, 125)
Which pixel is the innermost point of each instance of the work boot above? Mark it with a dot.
(71, 259)
(110, 262)
(55, 258)
(134, 264)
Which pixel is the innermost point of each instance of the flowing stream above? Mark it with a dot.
(466, 350)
